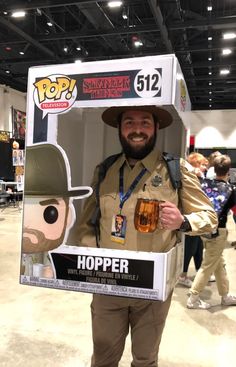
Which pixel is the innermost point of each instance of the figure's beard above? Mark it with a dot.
(137, 152)
(43, 244)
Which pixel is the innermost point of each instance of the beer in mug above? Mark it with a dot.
(146, 215)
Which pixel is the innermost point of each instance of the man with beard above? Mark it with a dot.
(48, 209)
(140, 172)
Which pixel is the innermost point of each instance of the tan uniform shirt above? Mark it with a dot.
(190, 198)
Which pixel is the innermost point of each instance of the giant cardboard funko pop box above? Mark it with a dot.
(66, 139)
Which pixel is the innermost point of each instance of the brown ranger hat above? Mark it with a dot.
(46, 173)
(111, 115)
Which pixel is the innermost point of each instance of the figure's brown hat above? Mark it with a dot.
(46, 173)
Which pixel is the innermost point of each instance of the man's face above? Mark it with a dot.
(45, 223)
(137, 133)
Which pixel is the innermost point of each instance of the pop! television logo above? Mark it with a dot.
(55, 94)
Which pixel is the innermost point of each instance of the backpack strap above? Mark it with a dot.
(103, 168)
(173, 167)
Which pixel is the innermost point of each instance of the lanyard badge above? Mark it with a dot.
(119, 221)
(118, 228)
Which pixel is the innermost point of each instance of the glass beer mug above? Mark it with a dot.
(146, 215)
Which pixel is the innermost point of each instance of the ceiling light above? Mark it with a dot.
(114, 4)
(224, 71)
(209, 38)
(78, 48)
(5, 13)
(209, 73)
(209, 8)
(7, 71)
(23, 50)
(210, 99)
(229, 36)
(209, 105)
(124, 14)
(65, 49)
(210, 83)
(49, 24)
(226, 51)
(78, 61)
(138, 43)
(210, 92)
(209, 58)
(18, 14)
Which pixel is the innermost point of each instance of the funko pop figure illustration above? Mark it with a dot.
(48, 206)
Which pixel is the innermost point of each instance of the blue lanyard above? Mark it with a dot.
(124, 197)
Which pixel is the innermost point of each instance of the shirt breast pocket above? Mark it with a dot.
(109, 205)
(164, 192)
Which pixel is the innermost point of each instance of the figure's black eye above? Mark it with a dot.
(50, 214)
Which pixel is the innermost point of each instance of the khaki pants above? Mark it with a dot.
(213, 262)
(111, 318)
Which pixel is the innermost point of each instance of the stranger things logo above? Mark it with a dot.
(117, 85)
(104, 270)
(106, 87)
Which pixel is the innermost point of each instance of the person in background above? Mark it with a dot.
(210, 170)
(199, 164)
(140, 172)
(193, 247)
(232, 180)
(223, 196)
(234, 216)
(210, 174)
(234, 213)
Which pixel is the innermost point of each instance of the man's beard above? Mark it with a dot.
(43, 244)
(137, 152)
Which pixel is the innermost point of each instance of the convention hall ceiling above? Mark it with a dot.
(54, 31)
